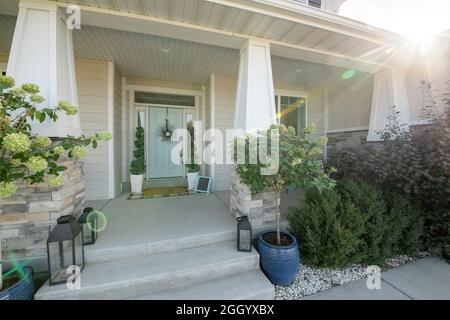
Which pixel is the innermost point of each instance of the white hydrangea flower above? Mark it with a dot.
(37, 164)
(69, 109)
(79, 152)
(17, 142)
(42, 141)
(103, 136)
(7, 189)
(55, 181)
(59, 150)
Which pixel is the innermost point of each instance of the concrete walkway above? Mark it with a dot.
(425, 279)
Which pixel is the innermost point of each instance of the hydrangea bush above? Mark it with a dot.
(25, 155)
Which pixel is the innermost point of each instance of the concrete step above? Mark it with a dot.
(137, 276)
(98, 254)
(252, 285)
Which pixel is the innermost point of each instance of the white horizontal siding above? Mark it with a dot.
(92, 82)
(225, 94)
(349, 103)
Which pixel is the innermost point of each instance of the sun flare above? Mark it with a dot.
(416, 19)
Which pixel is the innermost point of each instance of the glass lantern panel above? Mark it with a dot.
(60, 254)
(245, 240)
(94, 228)
(78, 246)
(87, 236)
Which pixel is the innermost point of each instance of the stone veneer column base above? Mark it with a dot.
(260, 208)
(27, 217)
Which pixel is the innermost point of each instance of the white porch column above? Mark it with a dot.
(255, 109)
(42, 53)
(255, 102)
(389, 91)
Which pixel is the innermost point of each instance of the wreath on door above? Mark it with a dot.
(166, 130)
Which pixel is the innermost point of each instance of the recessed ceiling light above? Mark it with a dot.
(298, 70)
(165, 49)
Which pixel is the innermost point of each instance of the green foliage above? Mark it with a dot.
(406, 224)
(329, 229)
(293, 162)
(192, 166)
(415, 163)
(296, 156)
(25, 155)
(374, 248)
(137, 166)
(355, 223)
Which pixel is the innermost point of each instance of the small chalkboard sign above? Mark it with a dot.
(203, 185)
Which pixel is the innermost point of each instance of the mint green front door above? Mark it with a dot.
(160, 163)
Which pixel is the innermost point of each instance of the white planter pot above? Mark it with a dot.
(192, 179)
(136, 183)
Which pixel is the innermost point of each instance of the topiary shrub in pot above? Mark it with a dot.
(137, 168)
(192, 167)
(296, 157)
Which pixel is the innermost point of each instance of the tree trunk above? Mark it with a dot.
(278, 215)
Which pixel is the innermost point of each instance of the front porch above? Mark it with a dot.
(152, 248)
(179, 247)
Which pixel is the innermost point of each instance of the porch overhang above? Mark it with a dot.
(292, 34)
(293, 30)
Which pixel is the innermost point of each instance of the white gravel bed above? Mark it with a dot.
(310, 280)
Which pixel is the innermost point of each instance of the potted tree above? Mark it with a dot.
(137, 168)
(298, 166)
(192, 167)
(26, 156)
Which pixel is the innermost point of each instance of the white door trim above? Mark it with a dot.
(166, 90)
(124, 130)
(134, 107)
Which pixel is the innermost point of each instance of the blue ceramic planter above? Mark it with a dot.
(22, 290)
(280, 263)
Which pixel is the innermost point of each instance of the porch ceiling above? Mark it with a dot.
(7, 24)
(140, 55)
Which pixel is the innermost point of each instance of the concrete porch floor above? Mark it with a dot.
(133, 222)
(155, 221)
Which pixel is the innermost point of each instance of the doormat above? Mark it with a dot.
(159, 193)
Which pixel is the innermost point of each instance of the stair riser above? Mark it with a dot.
(155, 283)
(105, 255)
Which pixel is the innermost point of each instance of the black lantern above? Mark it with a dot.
(89, 222)
(244, 231)
(64, 249)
